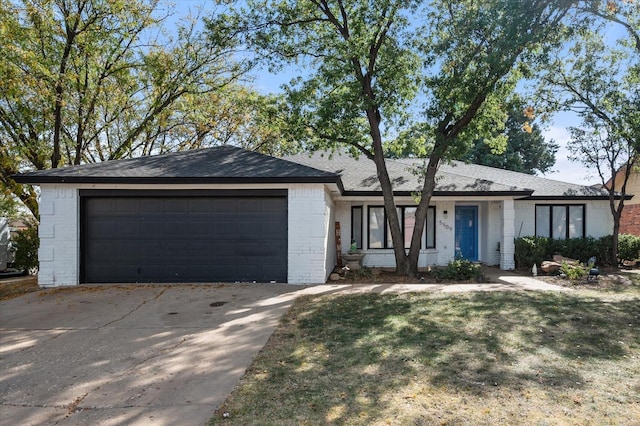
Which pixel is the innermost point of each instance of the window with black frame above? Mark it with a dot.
(379, 234)
(560, 221)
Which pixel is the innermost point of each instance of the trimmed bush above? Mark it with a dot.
(628, 247)
(530, 250)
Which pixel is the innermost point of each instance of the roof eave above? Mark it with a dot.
(35, 180)
(573, 197)
(442, 193)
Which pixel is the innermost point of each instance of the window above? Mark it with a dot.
(380, 234)
(356, 226)
(560, 221)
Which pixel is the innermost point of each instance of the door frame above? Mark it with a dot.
(476, 232)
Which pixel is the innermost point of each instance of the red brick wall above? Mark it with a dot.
(630, 220)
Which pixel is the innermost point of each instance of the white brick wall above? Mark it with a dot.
(507, 246)
(493, 232)
(311, 234)
(445, 231)
(599, 219)
(385, 257)
(59, 236)
(310, 224)
(330, 240)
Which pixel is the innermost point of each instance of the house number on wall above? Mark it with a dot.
(445, 225)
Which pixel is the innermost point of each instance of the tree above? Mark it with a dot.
(93, 80)
(526, 151)
(234, 115)
(368, 61)
(599, 79)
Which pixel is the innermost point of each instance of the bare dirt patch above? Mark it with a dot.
(610, 279)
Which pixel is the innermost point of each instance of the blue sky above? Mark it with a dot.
(564, 170)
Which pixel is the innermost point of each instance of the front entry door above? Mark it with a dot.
(467, 232)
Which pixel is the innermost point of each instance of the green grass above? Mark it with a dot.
(468, 359)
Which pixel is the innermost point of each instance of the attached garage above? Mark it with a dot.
(218, 214)
(192, 236)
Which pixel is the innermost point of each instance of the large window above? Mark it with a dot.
(380, 235)
(560, 221)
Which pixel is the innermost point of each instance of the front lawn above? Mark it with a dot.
(468, 359)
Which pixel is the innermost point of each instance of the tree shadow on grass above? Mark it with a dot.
(340, 358)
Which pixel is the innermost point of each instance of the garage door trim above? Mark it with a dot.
(89, 194)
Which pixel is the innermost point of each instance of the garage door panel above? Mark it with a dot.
(127, 227)
(176, 205)
(128, 251)
(151, 205)
(127, 206)
(102, 227)
(149, 227)
(184, 239)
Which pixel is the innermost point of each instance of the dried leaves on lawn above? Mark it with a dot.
(481, 358)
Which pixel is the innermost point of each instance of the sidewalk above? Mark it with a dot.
(497, 281)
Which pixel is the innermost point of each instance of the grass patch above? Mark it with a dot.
(17, 287)
(466, 359)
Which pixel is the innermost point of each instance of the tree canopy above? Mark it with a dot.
(368, 61)
(94, 80)
(526, 150)
(598, 78)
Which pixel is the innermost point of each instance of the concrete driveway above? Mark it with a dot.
(161, 355)
(145, 354)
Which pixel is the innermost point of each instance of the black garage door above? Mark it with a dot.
(184, 239)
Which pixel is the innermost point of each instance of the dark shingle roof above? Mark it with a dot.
(224, 164)
(454, 178)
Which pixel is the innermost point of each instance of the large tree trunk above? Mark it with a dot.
(402, 261)
(422, 209)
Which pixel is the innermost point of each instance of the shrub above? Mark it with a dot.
(575, 272)
(459, 270)
(27, 243)
(530, 250)
(604, 251)
(628, 247)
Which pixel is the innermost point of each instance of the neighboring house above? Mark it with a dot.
(630, 219)
(225, 214)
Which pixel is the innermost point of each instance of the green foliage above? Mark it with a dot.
(575, 272)
(530, 250)
(88, 81)
(628, 247)
(526, 150)
(27, 243)
(597, 77)
(581, 249)
(367, 63)
(8, 206)
(459, 270)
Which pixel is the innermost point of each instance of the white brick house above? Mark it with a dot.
(224, 214)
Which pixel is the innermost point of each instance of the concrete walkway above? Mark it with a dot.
(498, 281)
(144, 354)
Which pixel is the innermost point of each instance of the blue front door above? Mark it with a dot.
(467, 232)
